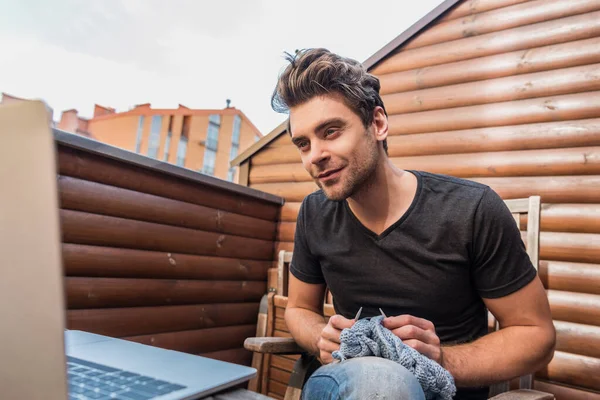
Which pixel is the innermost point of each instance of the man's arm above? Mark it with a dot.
(304, 313)
(524, 344)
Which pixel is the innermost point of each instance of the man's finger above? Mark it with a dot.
(408, 332)
(328, 346)
(331, 334)
(406, 319)
(340, 322)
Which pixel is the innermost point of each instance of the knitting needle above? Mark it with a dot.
(382, 313)
(358, 314)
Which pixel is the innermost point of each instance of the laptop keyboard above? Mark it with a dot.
(88, 380)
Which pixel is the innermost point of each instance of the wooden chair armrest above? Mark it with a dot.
(273, 345)
(523, 394)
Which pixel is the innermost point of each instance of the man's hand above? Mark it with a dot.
(329, 341)
(417, 333)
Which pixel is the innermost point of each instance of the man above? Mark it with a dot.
(433, 252)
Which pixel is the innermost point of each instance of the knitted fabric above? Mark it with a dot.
(371, 338)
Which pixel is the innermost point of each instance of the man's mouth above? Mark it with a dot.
(329, 174)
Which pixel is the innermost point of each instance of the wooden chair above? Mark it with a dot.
(277, 343)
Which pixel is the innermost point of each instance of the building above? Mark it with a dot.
(201, 140)
(506, 93)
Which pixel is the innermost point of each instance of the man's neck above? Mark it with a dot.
(384, 198)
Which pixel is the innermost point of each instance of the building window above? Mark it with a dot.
(154, 140)
(168, 140)
(138, 140)
(212, 141)
(183, 141)
(210, 157)
(235, 137)
(231, 174)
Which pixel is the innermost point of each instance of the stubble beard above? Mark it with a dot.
(357, 177)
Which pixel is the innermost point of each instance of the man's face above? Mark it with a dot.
(336, 149)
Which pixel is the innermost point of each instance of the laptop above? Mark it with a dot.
(40, 359)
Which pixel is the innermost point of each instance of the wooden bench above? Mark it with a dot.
(279, 359)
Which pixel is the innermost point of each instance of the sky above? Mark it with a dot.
(118, 53)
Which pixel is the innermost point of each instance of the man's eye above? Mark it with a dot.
(302, 145)
(329, 132)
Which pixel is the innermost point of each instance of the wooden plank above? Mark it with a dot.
(243, 174)
(100, 169)
(547, 135)
(570, 277)
(518, 15)
(562, 392)
(96, 198)
(282, 363)
(578, 338)
(575, 247)
(289, 211)
(237, 356)
(553, 162)
(541, 34)
(200, 340)
(545, 58)
(277, 387)
(279, 375)
(576, 218)
(581, 308)
(552, 189)
(573, 369)
(471, 7)
(529, 111)
(577, 79)
(113, 292)
(97, 261)
(135, 321)
(100, 230)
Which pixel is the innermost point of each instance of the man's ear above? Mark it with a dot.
(380, 124)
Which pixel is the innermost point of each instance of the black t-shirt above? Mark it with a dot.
(456, 243)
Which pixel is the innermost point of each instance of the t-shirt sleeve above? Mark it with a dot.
(304, 266)
(501, 264)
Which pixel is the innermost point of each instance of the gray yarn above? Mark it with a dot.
(371, 338)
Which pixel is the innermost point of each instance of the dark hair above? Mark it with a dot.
(315, 72)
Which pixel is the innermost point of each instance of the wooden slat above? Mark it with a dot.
(544, 109)
(562, 392)
(581, 308)
(279, 375)
(83, 260)
(99, 230)
(237, 356)
(96, 198)
(577, 79)
(286, 231)
(576, 218)
(289, 211)
(514, 16)
(243, 174)
(574, 247)
(578, 338)
(560, 189)
(548, 135)
(570, 277)
(471, 7)
(276, 387)
(555, 162)
(282, 363)
(119, 322)
(280, 325)
(112, 292)
(541, 34)
(563, 55)
(573, 369)
(110, 172)
(200, 340)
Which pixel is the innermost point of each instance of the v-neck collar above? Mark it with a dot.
(404, 216)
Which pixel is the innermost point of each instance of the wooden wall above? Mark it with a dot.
(507, 93)
(162, 260)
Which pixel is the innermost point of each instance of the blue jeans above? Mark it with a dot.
(363, 378)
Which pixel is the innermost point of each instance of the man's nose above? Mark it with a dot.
(318, 154)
